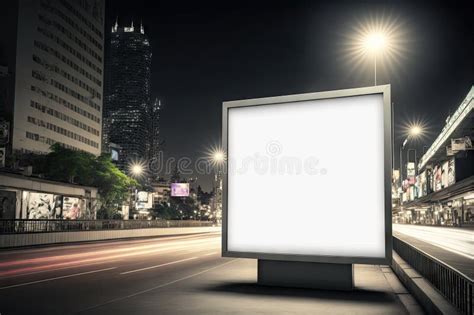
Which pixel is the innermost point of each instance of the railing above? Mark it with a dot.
(451, 283)
(41, 226)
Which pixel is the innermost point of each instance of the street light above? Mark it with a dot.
(414, 131)
(375, 43)
(136, 169)
(374, 38)
(218, 157)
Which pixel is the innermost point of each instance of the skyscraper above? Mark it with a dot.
(56, 66)
(127, 99)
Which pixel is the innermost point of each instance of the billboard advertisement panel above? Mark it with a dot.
(179, 189)
(288, 184)
(38, 205)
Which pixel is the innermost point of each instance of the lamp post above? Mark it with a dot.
(217, 159)
(375, 43)
(136, 171)
(414, 132)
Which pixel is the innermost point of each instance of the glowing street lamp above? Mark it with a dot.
(375, 43)
(218, 157)
(377, 37)
(414, 131)
(136, 169)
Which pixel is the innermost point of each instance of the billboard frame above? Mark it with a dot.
(384, 90)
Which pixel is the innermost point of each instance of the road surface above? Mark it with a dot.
(173, 275)
(453, 246)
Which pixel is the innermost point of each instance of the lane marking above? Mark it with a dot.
(58, 269)
(55, 278)
(154, 288)
(157, 266)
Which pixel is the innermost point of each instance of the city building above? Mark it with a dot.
(161, 192)
(154, 145)
(216, 200)
(441, 191)
(127, 94)
(53, 79)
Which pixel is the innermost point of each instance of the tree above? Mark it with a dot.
(176, 175)
(114, 186)
(68, 165)
(203, 197)
(165, 211)
(83, 168)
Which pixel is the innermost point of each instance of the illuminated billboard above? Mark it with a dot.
(309, 177)
(179, 190)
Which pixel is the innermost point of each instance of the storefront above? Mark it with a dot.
(23, 197)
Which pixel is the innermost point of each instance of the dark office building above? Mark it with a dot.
(127, 98)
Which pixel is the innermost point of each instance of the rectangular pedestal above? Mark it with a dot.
(305, 275)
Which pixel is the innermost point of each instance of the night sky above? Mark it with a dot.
(206, 53)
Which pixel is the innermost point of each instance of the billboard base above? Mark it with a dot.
(308, 275)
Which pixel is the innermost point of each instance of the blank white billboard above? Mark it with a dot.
(306, 178)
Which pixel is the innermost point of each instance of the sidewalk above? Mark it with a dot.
(231, 289)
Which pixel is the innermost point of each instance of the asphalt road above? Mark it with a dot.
(453, 246)
(174, 275)
(67, 279)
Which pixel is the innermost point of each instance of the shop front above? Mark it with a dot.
(23, 197)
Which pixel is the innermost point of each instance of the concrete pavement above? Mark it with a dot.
(174, 275)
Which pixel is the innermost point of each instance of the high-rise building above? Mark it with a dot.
(153, 119)
(56, 69)
(127, 94)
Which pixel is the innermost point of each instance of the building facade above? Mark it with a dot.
(440, 190)
(58, 85)
(127, 95)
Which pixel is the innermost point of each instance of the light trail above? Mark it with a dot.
(101, 252)
(458, 241)
(82, 259)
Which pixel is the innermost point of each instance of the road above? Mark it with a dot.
(453, 246)
(173, 275)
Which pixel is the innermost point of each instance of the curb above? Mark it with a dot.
(424, 292)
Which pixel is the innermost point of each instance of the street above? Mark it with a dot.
(453, 246)
(173, 275)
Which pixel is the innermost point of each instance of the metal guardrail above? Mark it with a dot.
(45, 226)
(456, 287)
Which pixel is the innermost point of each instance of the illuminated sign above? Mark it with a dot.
(291, 192)
(179, 190)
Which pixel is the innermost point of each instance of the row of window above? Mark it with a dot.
(83, 19)
(48, 141)
(40, 76)
(65, 103)
(71, 22)
(69, 34)
(71, 50)
(74, 94)
(67, 61)
(62, 131)
(67, 75)
(66, 118)
(95, 8)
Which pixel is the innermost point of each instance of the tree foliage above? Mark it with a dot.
(83, 168)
